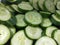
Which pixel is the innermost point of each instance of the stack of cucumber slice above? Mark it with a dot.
(30, 22)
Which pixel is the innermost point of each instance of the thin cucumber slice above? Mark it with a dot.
(45, 14)
(20, 20)
(58, 5)
(49, 30)
(55, 19)
(35, 4)
(33, 32)
(45, 41)
(11, 0)
(57, 36)
(33, 18)
(15, 7)
(20, 39)
(40, 3)
(10, 9)
(25, 6)
(4, 34)
(49, 5)
(46, 22)
(4, 14)
(55, 2)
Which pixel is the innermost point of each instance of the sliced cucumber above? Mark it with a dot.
(4, 34)
(45, 14)
(45, 41)
(46, 22)
(58, 5)
(4, 14)
(49, 30)
(57, 36)
(20, 39)
(15, 7)
(33, 18)
(49, 5)
(20, 20)
(10, 9)
(55, 19)
(35, 5)
(40, 3)
(25, 6)
(33, 32)
(55, 2)
(58, 13)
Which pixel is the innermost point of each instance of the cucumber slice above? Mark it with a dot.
(45, 14)
(57, 36)
(15, 7)
(55, 19)
(40, 3)
(49, 5)
(45, 41)
(55, 2)
(33, 18)
(49, 30)
(46, 22)
(20, 39)
(33, 32)
(11, 0)
(4, 14)
(10, 9)
(20, 20)
(4, 34)
(25, 6)
(35, 5)
(58, 5)
(58, 12)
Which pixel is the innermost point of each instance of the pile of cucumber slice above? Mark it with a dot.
(29, 22)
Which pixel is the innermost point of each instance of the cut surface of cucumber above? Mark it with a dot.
(15, 7)
(46, 22)
(20, 20)
(49, 5)
(4, 14)
(49, 30)
(58, 13)
(58, 5)
(33, 18)
(40, 3)
(4, 34)
(57, 36)
(55, 19)
(45, 41)
(25, 6)
(35, 5)
(33, 32)
(20, 39)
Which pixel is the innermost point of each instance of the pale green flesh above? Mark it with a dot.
(45, 41)
(46, 22)
(33, 32)
(25, 6)
(49, 30)
(40, 3)
(20, 20)
(57, 36)
(50, 6)
(20, 39)
(57, 18)
(33, 17)
(4, 14)
(4, 34)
